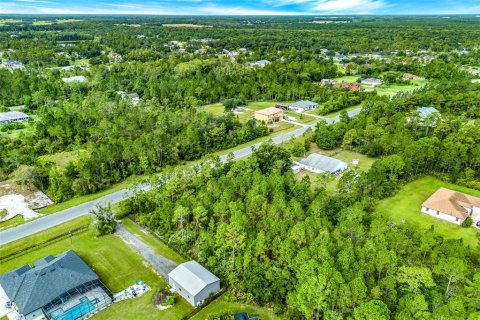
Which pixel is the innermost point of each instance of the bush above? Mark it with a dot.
(170, 300)
(467, 223)
(104, 220)
(159, 297)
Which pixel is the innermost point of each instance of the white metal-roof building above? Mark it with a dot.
(12, 116)
(74, 79)
(193, 282)
(319, 163)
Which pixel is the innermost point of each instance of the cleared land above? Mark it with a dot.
(405, 206)
(185, 25)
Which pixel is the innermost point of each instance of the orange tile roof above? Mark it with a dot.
(451, 202)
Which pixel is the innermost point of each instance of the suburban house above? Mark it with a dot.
(349, 86)
(328, 82)
(410, 76)
(193, 282)
(319, 164)
(261, 63)
(74, 79)
(269, 115)
(62, 287)
(303, 105)
(13, 116)
(425, 113)
(372, 81)
(133, 97)
(452, 206)
(13, 65)
(339, 57)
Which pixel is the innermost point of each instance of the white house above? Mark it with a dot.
(301, 106)
(319, 163)
(193, 282)
(372, 81)
(74, 79)
(452, 206)
(261, 63)
(13, 116)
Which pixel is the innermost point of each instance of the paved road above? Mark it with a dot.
(159, 263)
(60, 217)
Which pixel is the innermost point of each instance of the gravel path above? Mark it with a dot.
(159, 263)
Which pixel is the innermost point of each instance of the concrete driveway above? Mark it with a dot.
(159, 263)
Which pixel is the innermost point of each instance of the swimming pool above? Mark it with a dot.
(85, 306)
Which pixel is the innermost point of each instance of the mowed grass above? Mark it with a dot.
(152, 241)
(62, 159)
(117, 265)
(405, 207)
(222, 305)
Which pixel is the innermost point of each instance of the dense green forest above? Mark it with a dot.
(311, 254)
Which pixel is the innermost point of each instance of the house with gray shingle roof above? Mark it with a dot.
(55, 288)
(303, 105)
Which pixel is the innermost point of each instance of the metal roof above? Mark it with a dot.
(304, 104)
(426, 111)
(33, 288)
(192, 276)
(74, 79)
(324, 163)
(12, 116)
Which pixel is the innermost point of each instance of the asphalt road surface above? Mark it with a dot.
(63, 216)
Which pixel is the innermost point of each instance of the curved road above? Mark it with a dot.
(63, 216)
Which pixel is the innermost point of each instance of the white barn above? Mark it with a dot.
(452, 206)
(193, 282)
(319, 163)
(13, 116)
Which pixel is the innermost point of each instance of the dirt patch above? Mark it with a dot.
(15, 204)
(35, 198)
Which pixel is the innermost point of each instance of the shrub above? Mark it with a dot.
(104, 220)
(170, 300)
(467, 222)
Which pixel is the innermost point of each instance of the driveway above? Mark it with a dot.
(159, 263)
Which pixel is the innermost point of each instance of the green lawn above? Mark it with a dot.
(117, 265)
(351, 79)
(18, 220)
(405, 207)
(152, 241)
(221, 305)
(62, 159)
(302, 117)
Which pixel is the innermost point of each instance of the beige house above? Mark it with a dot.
(269, 115)
(452, 206)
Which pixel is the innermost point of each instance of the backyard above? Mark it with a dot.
(405, 206)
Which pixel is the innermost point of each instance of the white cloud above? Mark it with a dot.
(348, 6)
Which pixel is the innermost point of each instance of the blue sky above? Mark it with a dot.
(240, 7)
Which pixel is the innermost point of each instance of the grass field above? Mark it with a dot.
(62, 159)
(404, 207)
(221, 305)
(4, 22)
(351, 79)
(117, 265)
